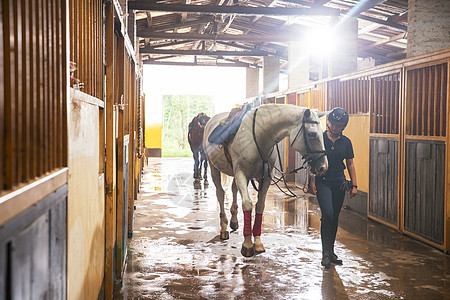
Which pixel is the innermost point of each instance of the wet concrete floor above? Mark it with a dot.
(176, 253)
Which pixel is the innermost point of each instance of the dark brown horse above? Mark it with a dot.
(195, 138)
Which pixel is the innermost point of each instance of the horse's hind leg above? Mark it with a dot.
(220, 193)
(259, 247)
(196, 162)
(199, 169)
(234, 208)
(205, 172)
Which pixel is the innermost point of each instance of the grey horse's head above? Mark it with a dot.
(308, 140)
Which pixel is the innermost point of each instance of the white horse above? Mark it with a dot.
(251, 156)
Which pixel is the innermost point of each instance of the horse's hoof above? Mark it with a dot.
(224, 235)
(234, 225)
(248, 252)
(259, 250)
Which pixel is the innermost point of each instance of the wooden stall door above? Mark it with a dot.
(383, 183)
(424, 189)
(425, 152)
(383, 200)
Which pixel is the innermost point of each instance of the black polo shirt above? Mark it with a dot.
(341, 149)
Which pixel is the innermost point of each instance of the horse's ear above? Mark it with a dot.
(322, 114)
(307, 113)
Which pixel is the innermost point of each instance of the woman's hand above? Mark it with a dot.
(353, 192)
(312, 187)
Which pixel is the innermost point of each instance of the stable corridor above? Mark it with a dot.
(176, 253)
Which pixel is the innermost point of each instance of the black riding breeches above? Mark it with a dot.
(330, 198)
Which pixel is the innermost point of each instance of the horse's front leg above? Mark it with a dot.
(259, 247)
(220, 194)
(234, 207)
(247, 249)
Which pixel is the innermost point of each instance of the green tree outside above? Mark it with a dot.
(179, 110)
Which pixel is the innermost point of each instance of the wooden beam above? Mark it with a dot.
(385, 41)
(386, 23)
(403, 17)
(110, 174)
(166, 45)
(396, 54)
(235, 45)
(201, 52)
(223, 37)
(391, 22)
(184, 15)
(301, 2)
(174, 26)
(149, 20)
(240, 10)
(216, 64)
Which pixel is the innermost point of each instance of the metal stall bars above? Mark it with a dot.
(33, 151)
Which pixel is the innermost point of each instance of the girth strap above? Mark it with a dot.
(227, 154)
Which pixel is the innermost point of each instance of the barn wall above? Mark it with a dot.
(33, 149)
(86, 204)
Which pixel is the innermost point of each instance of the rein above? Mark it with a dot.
(307, 158)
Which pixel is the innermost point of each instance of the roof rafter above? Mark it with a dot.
(175, 63)
(208, 53)
(385, 41)
(241, 10)
(223, 37)
(180, 25)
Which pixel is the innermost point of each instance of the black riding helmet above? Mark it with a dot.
(338, 116)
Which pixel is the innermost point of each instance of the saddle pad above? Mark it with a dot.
(224, 132)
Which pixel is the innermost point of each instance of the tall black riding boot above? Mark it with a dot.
(334, 258)
(326, 260)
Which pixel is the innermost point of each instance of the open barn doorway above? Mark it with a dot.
(178, 112)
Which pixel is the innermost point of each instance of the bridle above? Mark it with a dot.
(308, 157)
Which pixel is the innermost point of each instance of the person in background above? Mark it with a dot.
(330, 188)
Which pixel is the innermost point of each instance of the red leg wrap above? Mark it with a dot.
(247, 222)
(257, 225)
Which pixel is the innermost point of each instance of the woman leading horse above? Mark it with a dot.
(249, 155)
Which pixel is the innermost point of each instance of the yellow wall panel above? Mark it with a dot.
(153, 134)
(358, 131)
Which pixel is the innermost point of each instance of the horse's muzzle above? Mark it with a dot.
(320, 167)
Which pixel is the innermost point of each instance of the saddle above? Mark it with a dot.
(226, 130)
